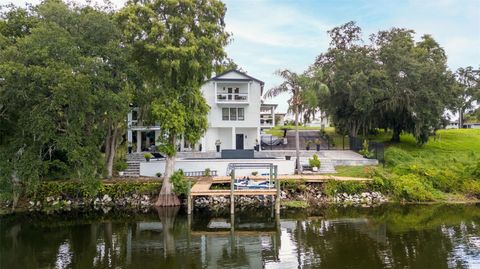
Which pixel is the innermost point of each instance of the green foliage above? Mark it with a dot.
(180, 183)
(295, 204)
(475, 170)
(395, 156)
(446, 166)
(207, 172)
(147, 156)
(121, 165)
(293, 185)
(254, 173)
(394, 82)
(158, 174)
(315, 162)
(66, 65)
(76, 189)
(309, 143)
(413, 188)
(365, 152)
(333, 187)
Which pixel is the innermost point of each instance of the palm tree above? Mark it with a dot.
(291, 85)
(300, 87)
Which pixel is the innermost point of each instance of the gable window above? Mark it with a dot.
(233, 113)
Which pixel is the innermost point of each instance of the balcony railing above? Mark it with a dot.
(266, 123)
(232, 97)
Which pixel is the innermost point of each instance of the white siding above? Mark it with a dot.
(252, 108)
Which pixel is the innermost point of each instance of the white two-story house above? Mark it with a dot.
(236, 118)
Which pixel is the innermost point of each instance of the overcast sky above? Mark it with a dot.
(272, 34)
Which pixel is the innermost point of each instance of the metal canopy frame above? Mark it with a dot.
(272, 176)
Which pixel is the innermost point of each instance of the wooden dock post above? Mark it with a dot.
(232, 197)
(277, 185)
(189, 199)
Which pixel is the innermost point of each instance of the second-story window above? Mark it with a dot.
(233, 113)
(225, 113)
(241, 113)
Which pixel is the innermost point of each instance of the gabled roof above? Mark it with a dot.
(247, 77)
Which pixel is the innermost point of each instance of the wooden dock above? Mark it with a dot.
(202, 188)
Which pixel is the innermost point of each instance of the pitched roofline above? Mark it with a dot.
(217, 77)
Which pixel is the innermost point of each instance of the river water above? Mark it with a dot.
(389, 236)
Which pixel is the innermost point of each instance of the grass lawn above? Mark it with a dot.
(444, 168)
(352, 171)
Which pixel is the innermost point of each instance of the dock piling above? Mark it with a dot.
(232, 197)
(277, 185)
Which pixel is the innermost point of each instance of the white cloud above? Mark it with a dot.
(273, 24)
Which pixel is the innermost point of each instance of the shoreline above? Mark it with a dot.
(221, 203)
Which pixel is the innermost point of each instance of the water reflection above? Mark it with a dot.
(433, 236)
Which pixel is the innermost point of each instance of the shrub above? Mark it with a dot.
(147, 156)
(411, 187)
(350, 187)
(475, 170)
(254, 173)
(158, 174)
(365, 151)
(207, 172)
(315, 162)
(120, 165)
(76, 189)
(180, 183)
(293, 185)
(472, 187)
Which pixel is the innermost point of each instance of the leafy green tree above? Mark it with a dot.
(176, 45)
(419, 87)
(354, 79)
(394, 82)
(468, 91)
(64, 93)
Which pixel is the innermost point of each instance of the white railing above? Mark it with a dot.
(232, 97)
(266, 123)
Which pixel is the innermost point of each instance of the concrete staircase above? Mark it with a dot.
(133, 169)
(133, 162)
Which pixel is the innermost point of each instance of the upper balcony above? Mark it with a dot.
(232, 93)
(232, 98)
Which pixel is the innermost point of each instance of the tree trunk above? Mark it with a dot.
(108, 143)
(166, 197)
(111, 151)
(396, 135)
(297, 143)
(461, 111)
(354, 129)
